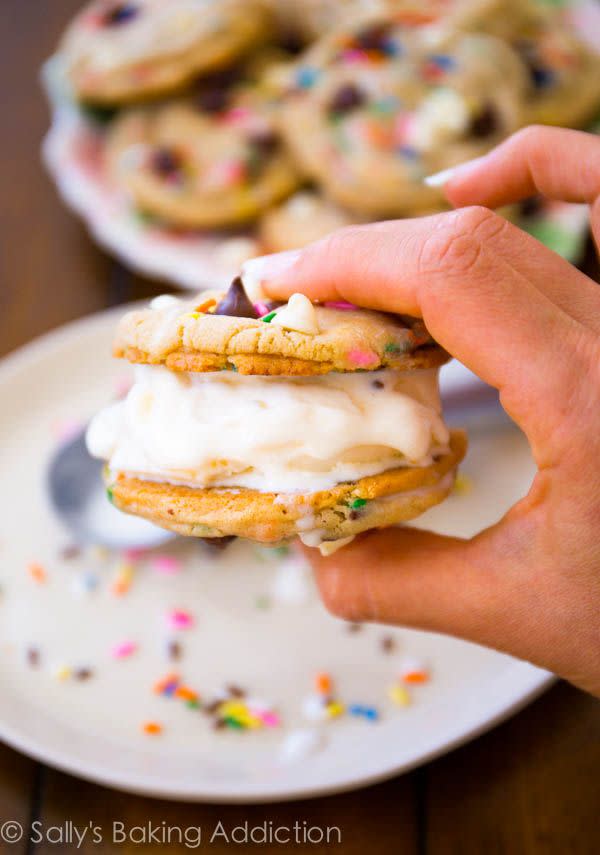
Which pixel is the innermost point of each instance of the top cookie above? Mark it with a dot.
(121, 52)
(227, 331)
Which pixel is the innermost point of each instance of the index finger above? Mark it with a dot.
(558, 163)
(476, 305)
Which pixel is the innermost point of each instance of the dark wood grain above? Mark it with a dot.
(18, 780)
(383, 817)
(50, 271)
(530, 786)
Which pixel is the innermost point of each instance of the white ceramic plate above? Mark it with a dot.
(92, 728)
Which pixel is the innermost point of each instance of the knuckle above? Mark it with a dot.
(479, 222)
(327, 252)
(338, 241)
(536, 144)
(531, 136)
(458, 246)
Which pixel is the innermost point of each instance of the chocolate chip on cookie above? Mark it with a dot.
(166, 163)
(236, 303)
(347, 98)
(540, 75)
(374, 38)
(213, 100)
(485, 122)
(120, 14)
(265, 142)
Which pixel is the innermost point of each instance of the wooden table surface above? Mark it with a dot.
(529, 786)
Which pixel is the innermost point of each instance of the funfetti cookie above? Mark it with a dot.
(272, 421)
(372, 111)
(116, 53)
(304, 217)
(211, 159)
(316, 18)
(564, 74)
(311, 19)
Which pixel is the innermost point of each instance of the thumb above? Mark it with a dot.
(411, 577)
(480, 590)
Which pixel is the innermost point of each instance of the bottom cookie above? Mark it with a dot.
(348, 509)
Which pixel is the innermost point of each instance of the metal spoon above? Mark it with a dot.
(78, 496)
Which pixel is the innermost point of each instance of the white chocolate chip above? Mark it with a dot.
(163, 301)
(298, 315)
(442, 115)
(303, 206)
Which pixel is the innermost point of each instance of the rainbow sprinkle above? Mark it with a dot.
(361, 711)
(261, 309)
(399, 695)
(362, 358)
(322, 705)
(323, 683)
(306, 77)
(123, 578)
(414, 671)
(124, 649)
(229, 709)
(167, 685)
(180, 619)
(340, 305)
(37, 573)
(168, 565)
(62, 672)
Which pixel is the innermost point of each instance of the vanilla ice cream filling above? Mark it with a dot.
(273, 434)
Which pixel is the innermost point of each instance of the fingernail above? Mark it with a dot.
(438, 179)
(267, 267)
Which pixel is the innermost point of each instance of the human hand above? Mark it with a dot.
(527, 322)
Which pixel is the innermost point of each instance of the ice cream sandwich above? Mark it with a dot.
(270, 421)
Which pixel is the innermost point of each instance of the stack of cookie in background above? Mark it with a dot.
(294, 117)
